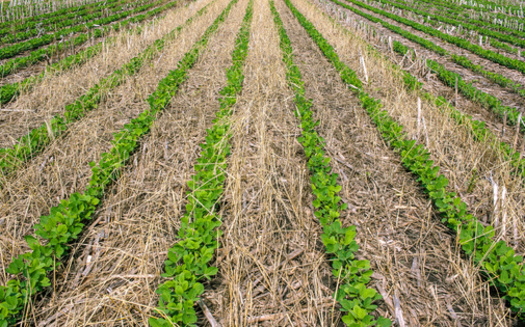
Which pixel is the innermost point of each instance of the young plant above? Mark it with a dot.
(499, 261)
(189, 259)
(355, 298)
(67, 220)
(38, 138)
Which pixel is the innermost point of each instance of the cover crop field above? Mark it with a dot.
(262, 163)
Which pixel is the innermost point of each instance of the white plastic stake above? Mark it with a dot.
(504, 219)
(518, 125)
(362, 60)
(418, 115)
(495, 201)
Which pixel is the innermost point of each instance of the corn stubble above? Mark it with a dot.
(320, 212)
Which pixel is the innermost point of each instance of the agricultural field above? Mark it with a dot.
(262, 163)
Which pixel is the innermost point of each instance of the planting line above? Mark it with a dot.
(188, 260)
(499, 261)
(67, 220)
(449, 78)
(516, 41)
(515, 64)
(37, 29)
(353, 275)
(15, 49)
(51, 10)
(35, 142)
(8, 92)
(58, 13)
(478, 128)
(15, 64)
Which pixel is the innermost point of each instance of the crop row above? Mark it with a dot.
(77, 15)
(40, 10)
(67, 220)
(15, 49)
(462, 43)
(499, 261)
(355, 298)
(483, 5)
(10, 91)
(449, 78)
(476, 128)
(34, 142)
(517, 41)
(57, 13)
(59, 19)
(37, 139)
(500, 21)
(189, 258)
(473, 33)
(13, 65)
(457, 13)
(81, 18)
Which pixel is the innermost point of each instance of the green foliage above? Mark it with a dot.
(35, 29)
(449, 78)
(475, 239)
(65, 221)
(15, 49)
(517, 41)
(355, 298)
(458, 12)
(503, 267)
(188, 260)
(13, 65)
(460, 60)
(462, 43)
(38, 138)
(65, 13)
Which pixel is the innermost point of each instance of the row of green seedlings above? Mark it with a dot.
(514, 40)
(18, 32)
(15, 49)
(16, 64)
(16, 12)
(503, 268)
(483, 6)
(355, 298)
(508, 114)
(511, 63)
(10, 91)
(58, 19)
(81, 18)
(457, 13)
(470, 31)
(478, 129)
(188, 263)
(55, 232)
(37, 139)
(45, 19)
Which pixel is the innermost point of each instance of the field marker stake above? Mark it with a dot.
(517, 132)
(362, 60)
(456, 90)
(504, 123)
(418, 116)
